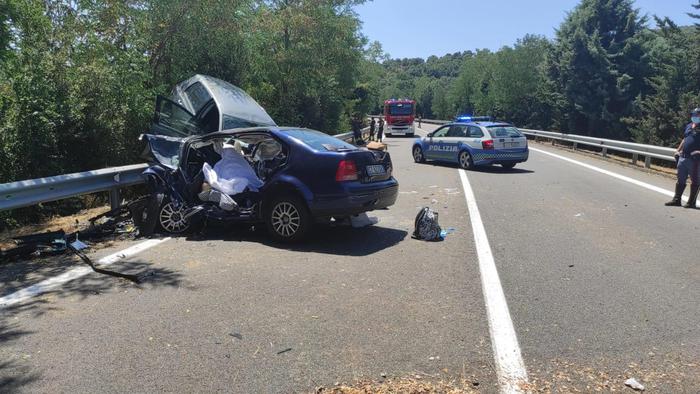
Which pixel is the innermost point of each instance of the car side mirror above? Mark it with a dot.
(430, 135)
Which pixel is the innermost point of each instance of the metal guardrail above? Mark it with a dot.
(636, 150)
(36, 191)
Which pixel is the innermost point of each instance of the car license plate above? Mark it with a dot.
(513, 144)
(376, 170)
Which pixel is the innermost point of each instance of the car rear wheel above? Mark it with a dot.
(465, 160)
(418, 155)
(171, 217)
(287, 219)
(508, 166)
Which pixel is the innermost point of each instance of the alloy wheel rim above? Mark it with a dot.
(417, 154)
(172, 218)
(464, 159)
(286, 219)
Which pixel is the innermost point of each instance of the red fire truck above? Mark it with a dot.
(399, 115)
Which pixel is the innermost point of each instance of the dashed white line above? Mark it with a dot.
(510, 368)
(57, 281)
(612, 174)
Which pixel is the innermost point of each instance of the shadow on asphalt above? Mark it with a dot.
(494, 169)
(16, 372)
(23, 273)
(335, 240)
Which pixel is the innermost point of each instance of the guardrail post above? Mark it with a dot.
(554, 142)
(115, 198)
(575, 145)
(647, 162)
(635, 158)
(605, 152)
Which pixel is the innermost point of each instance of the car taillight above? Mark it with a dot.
(487, 145)
(347, 171)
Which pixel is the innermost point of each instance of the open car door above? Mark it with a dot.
(171, 125)
(173, 120)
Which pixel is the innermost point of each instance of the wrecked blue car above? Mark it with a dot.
(216, 156)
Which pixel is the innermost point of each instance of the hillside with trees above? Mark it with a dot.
(609, 72)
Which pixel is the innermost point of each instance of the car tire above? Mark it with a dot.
(465, 160)
(171, 217)
(508, 166)
(418, 155)
(287, 219)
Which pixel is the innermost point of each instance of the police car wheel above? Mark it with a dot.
(508, 166)
(465, 160)
(418, 155)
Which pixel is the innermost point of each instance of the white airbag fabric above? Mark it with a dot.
(232, 174)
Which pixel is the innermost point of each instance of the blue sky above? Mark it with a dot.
(420, 28)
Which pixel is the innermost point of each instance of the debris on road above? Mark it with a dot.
(117, 222)
(426, 225)
(363, 220)
(634, 384)
(285, 350)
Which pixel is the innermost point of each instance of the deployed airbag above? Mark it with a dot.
(232, 174)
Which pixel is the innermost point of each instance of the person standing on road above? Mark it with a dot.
(380, 132)
(688, 157)
(372, 129)
(420, 119)
(356, 124)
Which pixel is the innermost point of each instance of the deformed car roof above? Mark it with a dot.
(231, 100)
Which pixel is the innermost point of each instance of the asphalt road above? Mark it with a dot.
(601, 280)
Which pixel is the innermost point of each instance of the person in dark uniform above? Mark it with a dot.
(380, 132)
(688, 156)
(372, 129)
(356, 124)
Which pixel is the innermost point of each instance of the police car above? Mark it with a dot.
(472, 142)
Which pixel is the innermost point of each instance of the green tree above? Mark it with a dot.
(597, 67)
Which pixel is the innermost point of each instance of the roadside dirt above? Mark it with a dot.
(65, 223)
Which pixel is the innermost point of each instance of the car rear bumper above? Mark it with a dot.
(358, 199)
(501, 156)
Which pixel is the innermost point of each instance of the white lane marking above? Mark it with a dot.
(510, 368)
(57, 281)
(612, 174)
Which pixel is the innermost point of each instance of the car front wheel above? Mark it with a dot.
(171, 217)
(418, 155)
(287, 219)
(465, 160)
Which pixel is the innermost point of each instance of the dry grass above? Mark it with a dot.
(402, 386)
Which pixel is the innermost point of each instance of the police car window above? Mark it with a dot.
(475, 132)
(504, 132)
(457, 131)
(441, 132)
(198, 96)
